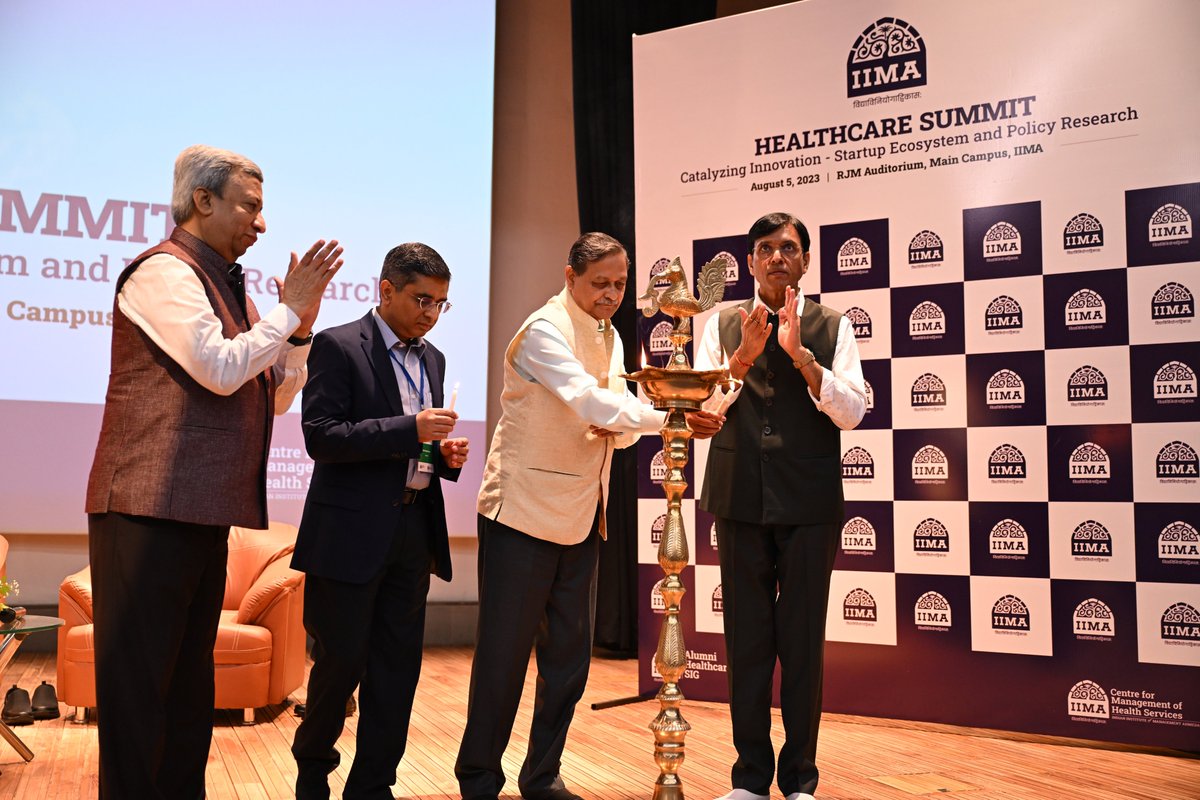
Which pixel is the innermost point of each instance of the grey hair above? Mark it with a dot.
(204, 167)
(590, 248)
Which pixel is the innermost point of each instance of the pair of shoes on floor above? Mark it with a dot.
(20, 710)
(746, 794)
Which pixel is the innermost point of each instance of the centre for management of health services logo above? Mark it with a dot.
(1087, 699)
(886, 57)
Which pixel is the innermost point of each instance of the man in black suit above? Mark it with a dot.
(374, 522)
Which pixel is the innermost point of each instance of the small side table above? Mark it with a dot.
(11, 636)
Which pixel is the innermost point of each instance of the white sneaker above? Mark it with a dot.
(743, 794)
(800, 796)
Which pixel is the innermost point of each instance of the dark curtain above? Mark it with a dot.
(602, 54)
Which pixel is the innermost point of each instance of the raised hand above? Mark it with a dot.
(789, 325)
(755, 331)
(306, 281)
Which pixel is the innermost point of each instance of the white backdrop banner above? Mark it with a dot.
(1002, 200)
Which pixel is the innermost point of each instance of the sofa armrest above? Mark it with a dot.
(276, 583)
(75, 598)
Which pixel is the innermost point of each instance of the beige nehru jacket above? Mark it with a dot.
(545, 475)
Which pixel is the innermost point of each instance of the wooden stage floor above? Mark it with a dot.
(609, 757)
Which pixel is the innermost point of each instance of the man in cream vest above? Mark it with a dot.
(564, 409)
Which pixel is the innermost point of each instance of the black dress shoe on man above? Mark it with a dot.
(45, 702)
(17, 710)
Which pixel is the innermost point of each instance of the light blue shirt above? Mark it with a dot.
(411, 355)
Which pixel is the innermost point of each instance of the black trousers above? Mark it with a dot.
(755, 561)
(157, 587)
(367, 635)
(532, 593)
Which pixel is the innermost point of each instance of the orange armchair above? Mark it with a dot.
(259, 653)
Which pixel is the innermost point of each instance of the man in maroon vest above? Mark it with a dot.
(196, 379)
(774, 483)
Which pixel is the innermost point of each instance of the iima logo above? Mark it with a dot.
(712, 536)
(1088, 700)
(1091, 541)
(1005, 389)
(1002, 242)
(731, 266)
(1093, 619)
(859, 606)
(718, 604)
(932, 612)
(931, 536)
(1175, 382)
(1089, 463)
(1003, 315)
(1008, 539)
(656, 529)
(1085, 310)
(1171, 224)
(928, 391)
(1179, 543)
(930, 465)
(857, 465)
(926, 250)
(1176, 462)
(860, 320)
(1180, 624)
(1087, 386)
(854, 257)
(660, 339)
(870, 395)
(656, 272)
(858, 537)
(657, 604)
(927, 321)
(1007, 464)
(886, 57)
(1010, 615)
(1173, 302)
(658, 468)
(1082, 234)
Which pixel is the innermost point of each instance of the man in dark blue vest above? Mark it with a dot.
(773, 482)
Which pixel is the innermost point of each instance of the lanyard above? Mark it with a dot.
(420, 391)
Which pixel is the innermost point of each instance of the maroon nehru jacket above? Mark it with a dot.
(169, 448)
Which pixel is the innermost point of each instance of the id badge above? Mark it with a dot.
(425, 462)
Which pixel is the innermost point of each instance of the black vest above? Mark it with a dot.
(777, 460)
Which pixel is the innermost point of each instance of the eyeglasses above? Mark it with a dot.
(427, 303)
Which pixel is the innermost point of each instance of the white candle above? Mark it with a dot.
(453, 395)
(728, 397)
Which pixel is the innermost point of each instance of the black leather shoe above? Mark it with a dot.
(17, 710)
(45, 702)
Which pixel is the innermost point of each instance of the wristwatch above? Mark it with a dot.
(810, 357)
(300, 341)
